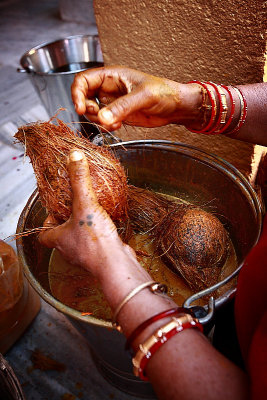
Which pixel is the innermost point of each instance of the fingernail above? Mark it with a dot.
(76, 155)
(91, 110)
(107, 116)
(78, 106)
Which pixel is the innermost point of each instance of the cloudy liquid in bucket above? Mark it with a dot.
(78, 289)
(77, 66)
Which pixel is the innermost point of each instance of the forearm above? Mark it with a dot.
(139, 99)
(121, 274)
(254, 129)
(185, 367)
(188, 367)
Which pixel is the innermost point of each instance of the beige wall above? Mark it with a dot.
(222, 41)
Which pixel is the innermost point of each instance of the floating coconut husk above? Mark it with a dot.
(146, 209)
(189, 239)
(48, 146)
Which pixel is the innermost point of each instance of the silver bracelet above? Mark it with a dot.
(154, 287)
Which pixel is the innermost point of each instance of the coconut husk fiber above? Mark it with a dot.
(189, 239)
(192, 242)
(48, 145)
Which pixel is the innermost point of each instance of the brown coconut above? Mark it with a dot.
(195, 243)
(48, 146)
(191, 241)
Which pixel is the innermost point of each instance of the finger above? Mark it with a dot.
(103, 128)
(80, 179)
(115, 126)
(50, 222)
(121, 108)
(49, 237)
(105, 82)
(92, 118)
(78, 94)
(91, 107)
(85, 85)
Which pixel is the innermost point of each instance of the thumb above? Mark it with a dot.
(83, 194)
(121, 108)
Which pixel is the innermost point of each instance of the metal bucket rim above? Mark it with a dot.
(216, 161)
(164, 144)
(232, 172)
(40, 46)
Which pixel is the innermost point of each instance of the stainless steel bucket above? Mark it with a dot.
(51, 68)
(167, 167)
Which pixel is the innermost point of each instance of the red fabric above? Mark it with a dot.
(251, 315)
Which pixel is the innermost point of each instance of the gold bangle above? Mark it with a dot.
(224, 105)
(223, 109)
(154, 287)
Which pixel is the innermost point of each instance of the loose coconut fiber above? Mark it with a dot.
(48, 146)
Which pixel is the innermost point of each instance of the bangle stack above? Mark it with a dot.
(219, 102)
(157, 317)
(181, 318)
(159, 337)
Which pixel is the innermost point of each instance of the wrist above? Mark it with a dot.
(120, 273)
(141, 307)
(189, 105)
(222, 114)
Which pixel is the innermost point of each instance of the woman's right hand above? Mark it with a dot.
(134, 98)
(89, 238)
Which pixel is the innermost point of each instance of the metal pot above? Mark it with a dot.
(51, 68)
(177, 169)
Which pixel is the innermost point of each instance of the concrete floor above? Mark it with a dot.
(23, 25)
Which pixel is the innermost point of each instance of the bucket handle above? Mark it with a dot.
(213, 303)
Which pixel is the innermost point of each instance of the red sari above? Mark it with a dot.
(251, 316)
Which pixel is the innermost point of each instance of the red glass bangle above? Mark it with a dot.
(219, 121)
(161, 315)
(213, 108)
(159, 337)
(232, 110)
(243, 113)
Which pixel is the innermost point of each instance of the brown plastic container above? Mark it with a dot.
(19, 303)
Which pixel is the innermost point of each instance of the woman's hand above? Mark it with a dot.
(87, 238)
(134, 98)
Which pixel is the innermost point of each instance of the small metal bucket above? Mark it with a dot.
(51, 68)
(179, 170)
